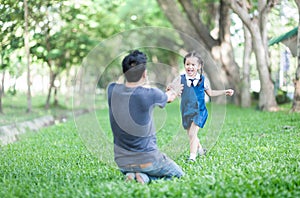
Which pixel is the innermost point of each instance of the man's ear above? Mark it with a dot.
(144, 74)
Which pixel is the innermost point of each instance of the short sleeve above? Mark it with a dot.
(109, 91)
(206, 84)
(160, 98)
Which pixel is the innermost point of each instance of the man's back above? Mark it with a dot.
(131, 121)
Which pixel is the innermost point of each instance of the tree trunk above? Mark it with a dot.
(267, 96)
(49, 63)
(51, 86)
(264, 9)
(226, 52)
(1, 95)
(2, 83)
(2, 89)
(55, 103)
(1, 108)
(47, 105)
(245, 88)
(55, 86)
(296, 101)
(27, 52)
(68, 85)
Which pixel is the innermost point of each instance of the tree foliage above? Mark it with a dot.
(62, 33)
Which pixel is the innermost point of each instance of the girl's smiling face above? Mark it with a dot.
(191, 66)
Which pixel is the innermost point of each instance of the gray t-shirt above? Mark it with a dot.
(131, 120)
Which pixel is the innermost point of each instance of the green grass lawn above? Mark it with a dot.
(15, 106)
(256, 155)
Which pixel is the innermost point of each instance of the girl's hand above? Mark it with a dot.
(229, 92)
(168, 88)
(175, 86)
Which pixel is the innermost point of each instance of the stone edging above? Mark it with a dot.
(9, 133)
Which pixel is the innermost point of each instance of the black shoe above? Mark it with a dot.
(191, 160)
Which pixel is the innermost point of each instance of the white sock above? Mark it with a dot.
(193, 156)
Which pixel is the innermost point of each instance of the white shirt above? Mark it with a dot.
(190, 79)
(196, 81)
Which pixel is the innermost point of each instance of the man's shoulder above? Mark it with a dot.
(151, 92)
(112, 84)
(113, 87)
(153, 89)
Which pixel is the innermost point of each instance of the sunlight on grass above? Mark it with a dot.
(15, 107)
(256, 155)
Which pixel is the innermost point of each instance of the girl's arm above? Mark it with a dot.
(212, 93)
(175, 86)
(172, 92)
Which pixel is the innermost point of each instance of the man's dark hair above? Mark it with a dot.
(134, 65)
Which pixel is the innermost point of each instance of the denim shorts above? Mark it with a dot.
(163, 168)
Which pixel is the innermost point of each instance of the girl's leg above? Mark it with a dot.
(193, 139)
(195, 145)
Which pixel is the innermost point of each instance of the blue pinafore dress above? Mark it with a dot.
(192, 105)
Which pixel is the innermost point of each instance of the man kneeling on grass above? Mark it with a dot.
(130, 112)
